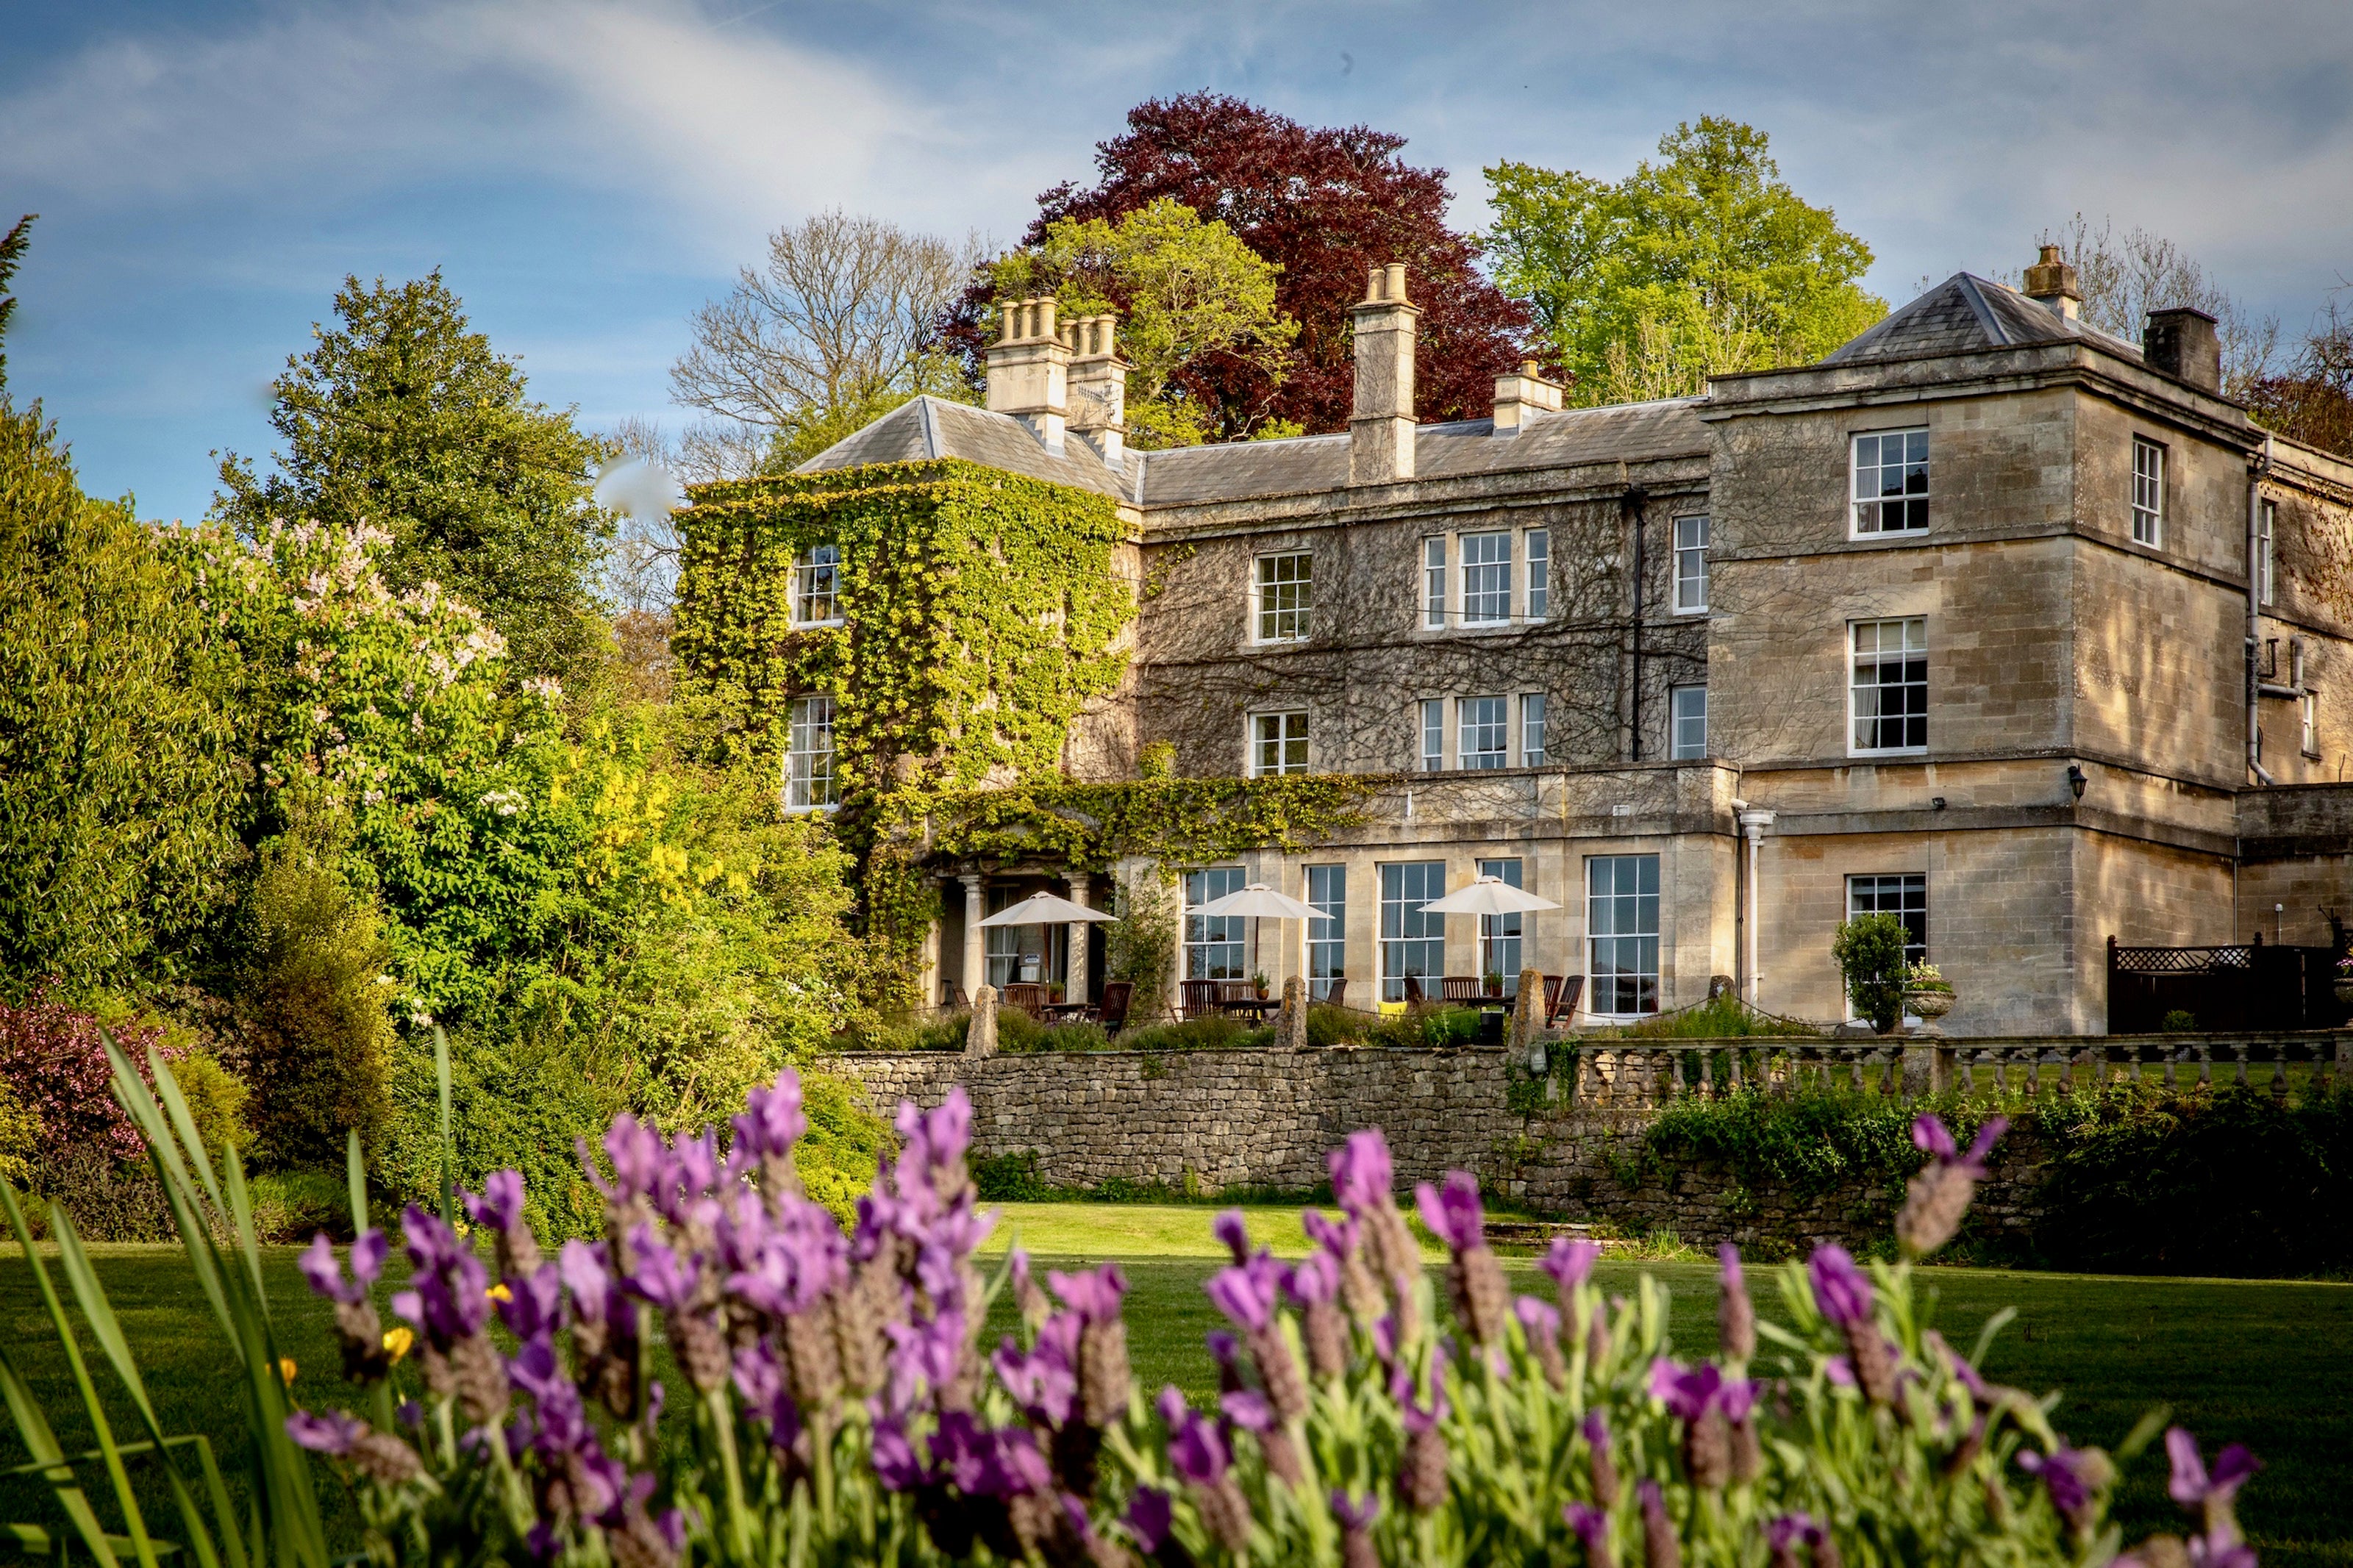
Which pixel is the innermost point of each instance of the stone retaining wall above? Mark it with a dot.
(1266, 1118)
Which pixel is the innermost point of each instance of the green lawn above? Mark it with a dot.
(2258, 1362)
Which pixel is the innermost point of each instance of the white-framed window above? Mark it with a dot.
(1022, 954)
(1214, 948)
(1499, 935)
(1278, 743)
(2266, 518)
(1482, 733)
(1539, 557)
(2308, 709)
(1687, 714)
(1486, 579)
(2148, 492)
(816, 585)
(1690, 565)
(1327, 933)
(1891, 482)
(808, 758)
(1888, 689)
(1286, 593)
(1413, 943)
(1905, 896)
(1621, 924)
(1434, 735)
(1532, 730)
(1433, 581)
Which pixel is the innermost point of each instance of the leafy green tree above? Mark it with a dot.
(402, 418)
(12, 253)
(1870, 953)
(1701, 263)
(118, 785)
(1185, 287)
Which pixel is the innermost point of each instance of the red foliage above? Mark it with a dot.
(50, 1055)
(1326, 203)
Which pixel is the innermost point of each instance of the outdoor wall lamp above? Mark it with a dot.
(2077, 779)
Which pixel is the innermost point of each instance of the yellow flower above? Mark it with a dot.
(397, 1341)
(286, 1370)
(499, 1292)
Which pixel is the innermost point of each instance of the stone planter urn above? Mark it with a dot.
(1926, 1004)
(2345, 987)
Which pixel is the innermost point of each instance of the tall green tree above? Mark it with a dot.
(1702, 262)
(12, 253)
(403, 418)
(120, 787)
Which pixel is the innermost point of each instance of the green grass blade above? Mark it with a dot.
(240, 1213)
(216, 1491)
(356, 1175)
(33, 1430)
(105, 1327)
(448, 1152)
(99, 1428)
(132, 1093)
(168, 1088)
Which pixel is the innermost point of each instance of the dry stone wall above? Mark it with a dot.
(1266, 1119)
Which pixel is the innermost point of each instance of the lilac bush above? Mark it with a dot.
(845, 1408)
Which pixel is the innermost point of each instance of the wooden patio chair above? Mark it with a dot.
(957, 1002)
(1412, 990)
(1231, 991)
(1562, 993)
(1028, 995)
(1112, 1015)
(1339, 996)
(1197, 998)
(1463, 988)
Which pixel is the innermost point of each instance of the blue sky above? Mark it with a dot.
(585, 171)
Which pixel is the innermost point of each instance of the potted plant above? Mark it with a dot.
(1257, 982)
(1870, 953)
(2344, 979)
(1927, 993)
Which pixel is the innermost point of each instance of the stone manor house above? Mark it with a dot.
(1989, 620)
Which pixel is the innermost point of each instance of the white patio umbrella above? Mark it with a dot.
(1045, 910)
(1258, 900)
(1488, 896)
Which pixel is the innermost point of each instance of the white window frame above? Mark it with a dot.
(1481, 581)
(1282, 606)
(2266, 564)
(809, 786)
(1858, 501)
(1496, 720)
(808, 563)
(1534, 741)
(1398, 950)
(1682, 748)
(2307, 707)
(1435, 596)
(1430, 722)
(1855, 686)
(1502, 938)
(1535, 547)
(1326, 888)
(1279, 737)
(1602, 908)
(1690, 565)
(2149, 492)
(1203, 934)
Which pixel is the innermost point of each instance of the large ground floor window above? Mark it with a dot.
(1905, 896)
(1327, 942)
(1022, 954)
(1499, 935)
(1214, 944)
(1412, 943)
(1621, 924)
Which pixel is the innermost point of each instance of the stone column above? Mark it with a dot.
(1527, 1018)
(1075, 974)
(929, 981)
(1290, 1023)
(975, 941)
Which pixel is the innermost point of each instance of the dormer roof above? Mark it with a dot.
(1966, 313)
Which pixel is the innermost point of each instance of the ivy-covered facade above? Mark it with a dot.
(1952, 625)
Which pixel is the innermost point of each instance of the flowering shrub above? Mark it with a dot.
(51, 1056)
(845, 1408)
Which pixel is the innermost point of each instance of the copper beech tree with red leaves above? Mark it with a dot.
(1325, 204)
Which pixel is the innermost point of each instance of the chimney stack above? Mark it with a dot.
(1028, 371)
(1380, 423)
(1517, 396)
(2051, 283)
(2182, 343)
(1098, 387)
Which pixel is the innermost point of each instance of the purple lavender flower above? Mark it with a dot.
(1355, 1515)
(1735, 1316)
(2191, 1484)
(1937, 1199)
(1660, 1547)
(636, 1151)
(1840, 1291)
(895, 1463)
(1603, 1469)
(772, 1122)
(1540, 1325)
(1244, 1296)
(1592, 1527)
(1688, 1392)
(447, 1299)
(662, 1276)
(1247, 1409)
(1198, 1452)
(1569, 1262)
(332, 1432)
(1337, 1238)
(500, 1207)
(1149, 1513)
(1361, 1173)
(1094, 1295)
(1452, 1211)
(1043, 1380)
(2071, 1476)
(535, 1304)
(326, 1277)
(1233, 1231)
(1315, 1279)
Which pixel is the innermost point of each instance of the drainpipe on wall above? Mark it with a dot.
(1753, 822)
(1632, 504)
(2261, 467)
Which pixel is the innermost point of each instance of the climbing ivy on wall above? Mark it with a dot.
(981, 613)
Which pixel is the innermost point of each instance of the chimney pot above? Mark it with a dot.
(1380, 422)
(1516, 397)
(2051, 283)
(1028, 371)
(2182, 343)
(1098, 389)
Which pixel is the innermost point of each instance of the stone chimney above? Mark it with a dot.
(1098, 387)
(1517, 396)
(2051, 283)
(2182, 343)
(1028, 371)
(1380, 425)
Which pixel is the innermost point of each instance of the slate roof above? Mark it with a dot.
(1967, 312)
(1245, 470)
